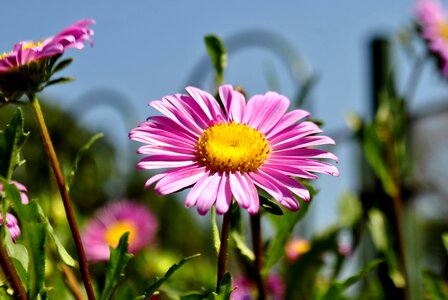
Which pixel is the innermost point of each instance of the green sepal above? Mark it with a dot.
(62, 65)
(270, 206)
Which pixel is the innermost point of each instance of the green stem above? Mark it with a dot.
(222, 256)
(255, 226)
(11, 273)
(64, 194)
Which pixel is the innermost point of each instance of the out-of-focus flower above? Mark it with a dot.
(245, 289)
(12, 225)
(11, 221)
(227, 153)
(22, 189)
(111, 222)
(29, 64)
(295, 248)
(433, 23)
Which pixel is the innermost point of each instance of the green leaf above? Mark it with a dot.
(11, 140)
(159, 281)
(379, 230)
(63, 254)
(337, 289)
(62, 65)
(79, 156)
(270, 206)
(435, 287)
(445, 240)
(215, 231)
(284, 226)
(225, 288)
(218, 55)
(350, 210)
(240, 244)
(35, 236)
(17, 253)
(119, 258)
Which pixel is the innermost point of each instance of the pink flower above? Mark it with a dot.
(25, 52)
(245, 289)
(12, 225)
(433, 23)
(111, 222)
(22, 189)
(11, 221)
(296, 248)
(228, 152)
(29, 66)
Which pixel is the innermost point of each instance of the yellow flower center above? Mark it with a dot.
(231, 147)
(24, 47)
(443, 30)
(114, 233)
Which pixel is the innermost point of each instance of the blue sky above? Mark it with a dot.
(145, 49)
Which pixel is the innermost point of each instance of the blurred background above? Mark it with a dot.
(144, 50)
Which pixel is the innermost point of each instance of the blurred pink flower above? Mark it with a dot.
(433, 23)
(22, 189)
(245, 289)
(25, 52)
(111, 222)
(227, 152)
(295, 248)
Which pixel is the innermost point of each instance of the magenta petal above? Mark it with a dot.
(178, 179)
(287, 120)
(224, 197)
(293, 185)
(267, 110)
(208, 196)
(198, 188)
(239, 189)
(208, 104)
(234, 103)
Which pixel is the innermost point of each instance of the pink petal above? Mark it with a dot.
(224, 197)
(208, 196)
(286, 181)
(240, 189)
(207, 102)
(198, 188)
(178, 179)
(287, 120)
(234, 103)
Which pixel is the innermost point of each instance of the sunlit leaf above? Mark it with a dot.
(79, 156)
(11, 140)
(337, 288)
(159, 281)
(119, 258)
(218, 55)
(379, 230)
(241, 246)
(63, 254)
(445, 240)
(215, 231)
(435, 287)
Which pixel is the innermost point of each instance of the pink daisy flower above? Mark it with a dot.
(28, 65)
(228, 152)
(111, 222)
(25, 52)
(433, 23)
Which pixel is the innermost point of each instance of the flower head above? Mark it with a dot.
(245, 288)
(228, 152)
(28, 64)
(111, 222)
(433, 25)
(11, 221)
(12, 225)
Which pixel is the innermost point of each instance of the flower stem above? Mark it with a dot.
(64, 194)
(222, 257)
(255, 226)
(11, 273)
